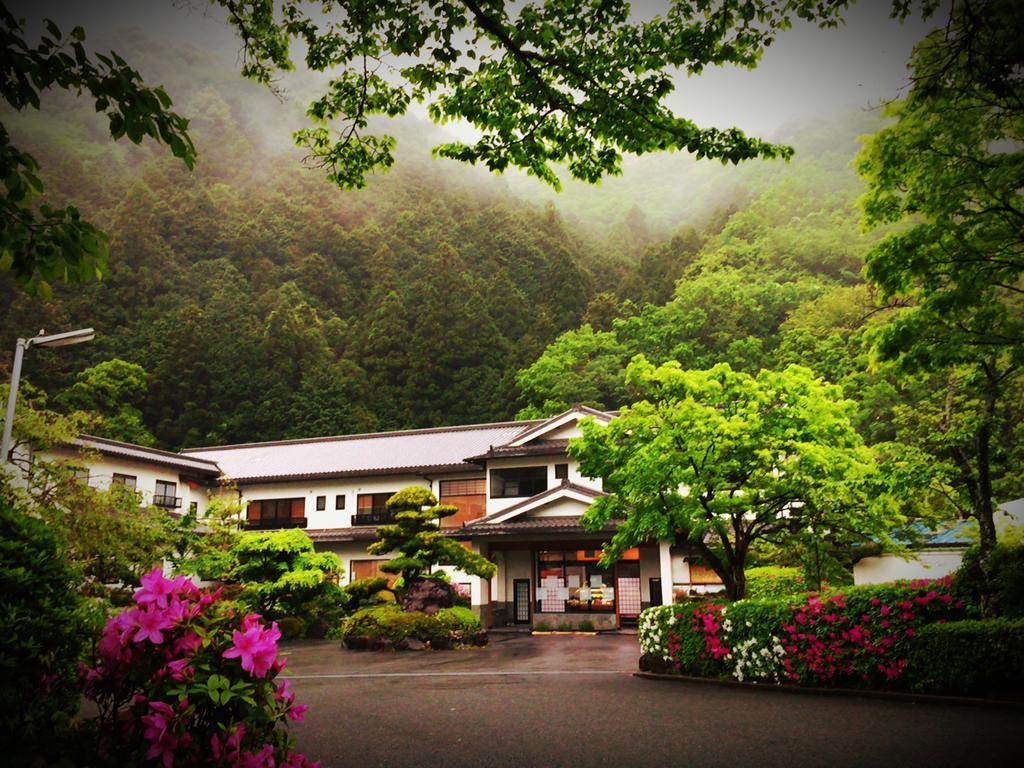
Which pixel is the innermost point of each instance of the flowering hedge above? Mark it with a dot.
(858, 636)
(181, 679)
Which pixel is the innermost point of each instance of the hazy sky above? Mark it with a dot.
(807, 72)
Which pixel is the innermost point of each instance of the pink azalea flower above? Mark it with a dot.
(155, 589)
(262, 759)
(151, 624)
(188, 643)
(256, 647)
(297, 712)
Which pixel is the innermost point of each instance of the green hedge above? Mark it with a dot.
(999, 579)
(391, 623)
(774, 581)
(969, 658)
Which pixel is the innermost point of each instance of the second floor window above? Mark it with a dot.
(166, 495)
(372, 509)
(125, 480)
(277, 513)
(518, 482)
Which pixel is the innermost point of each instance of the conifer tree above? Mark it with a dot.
(417, 534)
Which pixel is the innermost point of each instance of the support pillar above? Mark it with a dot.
(665, 566)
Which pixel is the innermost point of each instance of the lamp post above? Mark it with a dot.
(40, 340)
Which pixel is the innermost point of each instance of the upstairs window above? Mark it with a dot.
(321, 503)
(372, 509)
(125, 480)
(166, 495)
(339, 501)
(561, 471)
(276, 513)
(520, 482)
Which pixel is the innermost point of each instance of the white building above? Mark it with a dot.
(519, 495)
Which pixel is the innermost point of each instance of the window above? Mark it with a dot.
(127, 480)
(561, 471)
(321, 503)
(368, 569)
(372, 509)
(573, 582)
(165, 495)
(519, 482)
(468, 496)
(339, 501)
(276, 513)
(472, 487)
(193, 507)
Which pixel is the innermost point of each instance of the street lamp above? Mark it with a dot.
(40, 340)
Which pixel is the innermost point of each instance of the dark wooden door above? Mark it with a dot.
(521, 601)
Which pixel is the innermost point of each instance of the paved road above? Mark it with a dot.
(572, 701)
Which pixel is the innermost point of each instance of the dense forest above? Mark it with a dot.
(251, 300)
(263, 303)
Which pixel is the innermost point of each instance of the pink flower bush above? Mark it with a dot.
(182, 680)
(859, 636)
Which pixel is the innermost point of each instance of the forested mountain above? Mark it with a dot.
(264, 303)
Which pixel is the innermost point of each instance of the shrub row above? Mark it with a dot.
(858, 636)
(391, 624)
(973, 658)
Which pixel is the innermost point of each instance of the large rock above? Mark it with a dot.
(428, 596)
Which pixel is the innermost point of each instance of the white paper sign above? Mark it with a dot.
(574, 581)
(542, 593)
(551, 582)
(585, 594)
(596, 582)
(609, 595)
(562, 593)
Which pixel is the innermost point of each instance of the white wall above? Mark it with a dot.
(102, 468)
(926, 564)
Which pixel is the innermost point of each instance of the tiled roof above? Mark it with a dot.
(536, 448)
(195, 464)
(368, 533)
(442, 449)
(565, 524)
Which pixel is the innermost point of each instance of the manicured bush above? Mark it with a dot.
(774, 581)
(541, 626)
(969, 658)
(857, 636)
(45, 632)
(586, 626)
(182, 679)
(292, 628)
(363, 592)
(391, 624)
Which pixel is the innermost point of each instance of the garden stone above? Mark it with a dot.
(411, 644)
(428, 596)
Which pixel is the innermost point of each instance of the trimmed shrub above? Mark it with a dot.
(292, 628)
(774, 581)
(363, 592)
(391, 624)
(857, 636)
(976, 658)
(586, 626)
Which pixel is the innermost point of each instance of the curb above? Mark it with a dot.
(909, 698)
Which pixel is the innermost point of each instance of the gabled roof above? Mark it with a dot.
(565, 490)
(548, 426)
(196, 465)
(535, 448)
(519, 526)
(415, 451)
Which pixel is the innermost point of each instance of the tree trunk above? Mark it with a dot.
(982, 501)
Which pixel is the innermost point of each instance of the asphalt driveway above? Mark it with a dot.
(572, 701)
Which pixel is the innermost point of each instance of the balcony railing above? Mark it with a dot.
(169, 502)
(374, 516)
(271, 523)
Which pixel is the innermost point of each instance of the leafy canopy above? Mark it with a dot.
(41, 244)
(280, 571)
(559, 81)
(723, 459)
(416, 534)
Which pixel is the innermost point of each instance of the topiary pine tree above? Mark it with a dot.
(417, 534)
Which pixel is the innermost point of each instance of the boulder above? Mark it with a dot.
(428, 596)
(410, 644)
